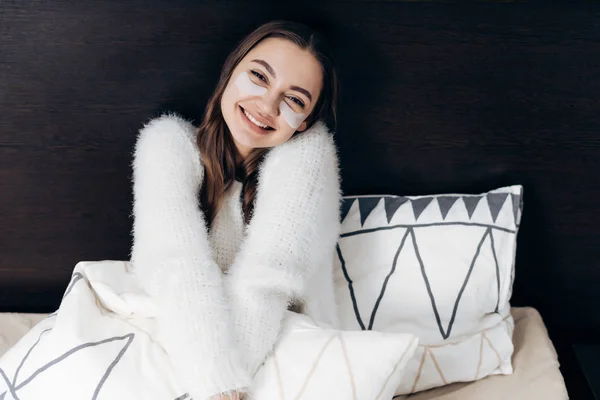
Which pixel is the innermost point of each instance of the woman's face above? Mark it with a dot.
(270, 94)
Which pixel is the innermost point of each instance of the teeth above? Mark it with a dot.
(255, 122)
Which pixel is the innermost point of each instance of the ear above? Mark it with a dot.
(302, 127)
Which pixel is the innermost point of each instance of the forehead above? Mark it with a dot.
(292, 65)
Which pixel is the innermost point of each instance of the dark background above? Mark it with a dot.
(436, 98)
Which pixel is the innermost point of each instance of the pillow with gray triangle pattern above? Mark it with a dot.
(440, 267)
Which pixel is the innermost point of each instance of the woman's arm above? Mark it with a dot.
(294, 227)
(172, 259)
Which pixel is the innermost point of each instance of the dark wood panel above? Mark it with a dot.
(436, 98)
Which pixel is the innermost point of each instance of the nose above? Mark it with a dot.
(268, 105)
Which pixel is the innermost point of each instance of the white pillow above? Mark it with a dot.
(103, 344)
(312, 361)
(440, 267)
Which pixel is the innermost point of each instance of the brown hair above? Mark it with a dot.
(214, 139)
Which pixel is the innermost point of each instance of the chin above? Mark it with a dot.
(245, 141)
(242, 137)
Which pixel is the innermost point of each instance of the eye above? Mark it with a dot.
(259, 75)
(297, 101)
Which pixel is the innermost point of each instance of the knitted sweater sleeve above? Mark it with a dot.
(172, 260)
(295, 226)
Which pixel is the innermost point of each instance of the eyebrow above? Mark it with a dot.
(267, 66)
(272, 72)
(303, 91)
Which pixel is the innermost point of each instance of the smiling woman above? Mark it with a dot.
(262, 238)
(277, 82)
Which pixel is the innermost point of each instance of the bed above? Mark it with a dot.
(535, 361)
(435, 98)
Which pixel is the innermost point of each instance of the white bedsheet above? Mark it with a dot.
(14, 325)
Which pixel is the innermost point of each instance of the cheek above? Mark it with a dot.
(225, 99)
(230, 98)
(284, 133)
(228, 102)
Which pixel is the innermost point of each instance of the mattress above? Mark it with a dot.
(535, 362)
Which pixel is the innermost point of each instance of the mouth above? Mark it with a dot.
(253, 123)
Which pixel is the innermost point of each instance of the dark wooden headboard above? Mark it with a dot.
(436, 98)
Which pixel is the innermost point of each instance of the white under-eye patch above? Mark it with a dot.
(292, 118)
(246, 86)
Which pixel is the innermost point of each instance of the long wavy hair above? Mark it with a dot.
(214, 139)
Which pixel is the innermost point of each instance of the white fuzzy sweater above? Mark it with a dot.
(222, 295)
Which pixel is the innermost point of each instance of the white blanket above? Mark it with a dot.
(102, 312)
(103, 344)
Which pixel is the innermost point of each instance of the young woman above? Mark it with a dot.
(236, 221)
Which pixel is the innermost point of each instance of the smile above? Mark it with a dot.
(255, 122)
